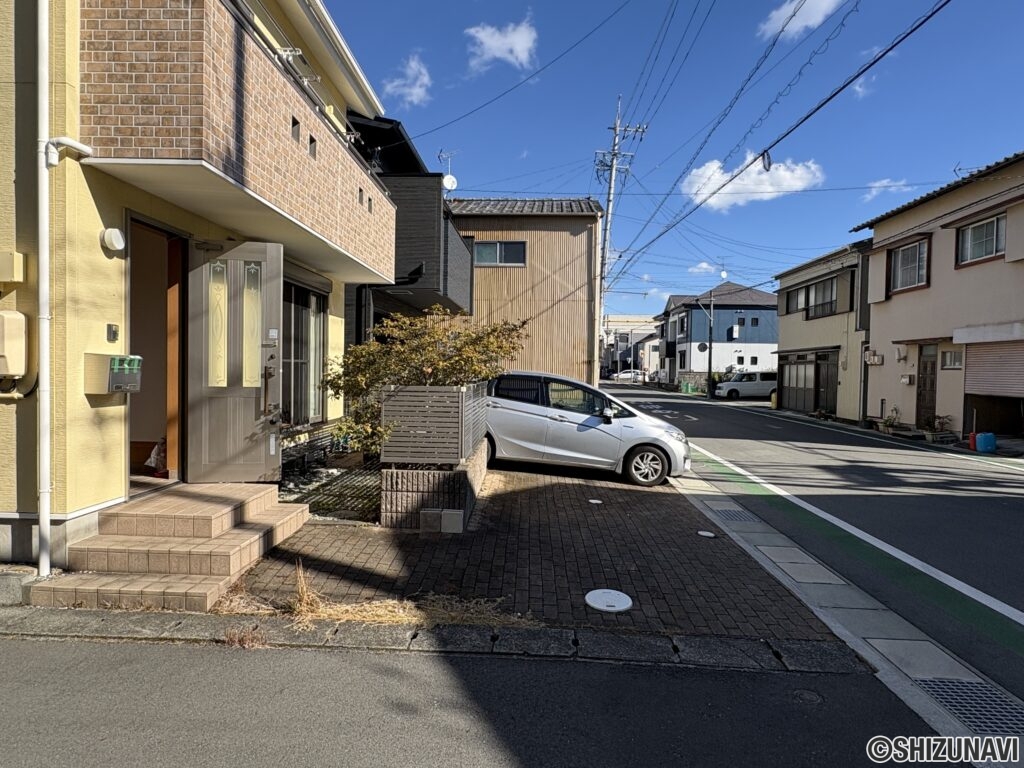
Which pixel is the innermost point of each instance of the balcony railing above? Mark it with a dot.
(823, 309)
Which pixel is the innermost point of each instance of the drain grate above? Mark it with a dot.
(979, 705)
(736, 515)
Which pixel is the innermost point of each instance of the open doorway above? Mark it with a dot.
(155, 324)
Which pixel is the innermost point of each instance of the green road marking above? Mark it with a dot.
(971, 613)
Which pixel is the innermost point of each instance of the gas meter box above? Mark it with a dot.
(13, 344)
(106, 374)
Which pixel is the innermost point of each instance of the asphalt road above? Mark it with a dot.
(88, 704)
(959, 513)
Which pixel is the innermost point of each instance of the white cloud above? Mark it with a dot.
(753, 184)
(413, 86)
(701, 269)
(860, 86)
(514, 44)
(809, 16)
(875, 188)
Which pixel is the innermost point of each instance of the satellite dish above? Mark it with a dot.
(449, 182)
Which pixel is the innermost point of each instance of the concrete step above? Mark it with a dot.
(177, 592)
(188, 511)
(224, 555)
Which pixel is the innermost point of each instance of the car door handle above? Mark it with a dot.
(558, 418)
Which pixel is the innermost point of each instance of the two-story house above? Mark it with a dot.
(947, 309)
(175, 272)
(623, 350)
(537, 260)
(733, 325)
(823, 328)
(433, 262)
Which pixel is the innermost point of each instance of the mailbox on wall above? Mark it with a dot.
(107, 374)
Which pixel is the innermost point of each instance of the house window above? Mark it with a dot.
(821, 299)
(369, 204)
(302, 356)
(672, 330)
(754, 322)
(981, 240)
(795, 300)
(753, 360)
(739, 360)
(953, 359)
(682, 361)
(296, 131)
(502, 254)
(908, 266)
(360, 195)
(741, 321)
(312, 146)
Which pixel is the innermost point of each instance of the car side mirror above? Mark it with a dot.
(608, 413)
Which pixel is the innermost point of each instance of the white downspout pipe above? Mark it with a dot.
(43, 245)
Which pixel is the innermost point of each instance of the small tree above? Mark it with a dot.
(438, 348)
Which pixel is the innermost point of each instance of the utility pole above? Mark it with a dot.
(711, 342)
(609, 162)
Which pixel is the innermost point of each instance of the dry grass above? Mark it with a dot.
(309, 606)
(245, 637)
(238, 600)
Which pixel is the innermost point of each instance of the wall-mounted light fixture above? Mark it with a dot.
(112, 239)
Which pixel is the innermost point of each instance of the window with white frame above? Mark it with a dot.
(908, 266)
(981, 239)
(952, 359)
(499, 254)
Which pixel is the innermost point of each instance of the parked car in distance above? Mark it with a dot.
(540, 417)
(629, 374)
(748, 384)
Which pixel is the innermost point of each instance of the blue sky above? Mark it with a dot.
(948, 98)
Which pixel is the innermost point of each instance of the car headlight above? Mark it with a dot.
(680, 436)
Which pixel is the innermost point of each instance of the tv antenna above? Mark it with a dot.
(449, 182)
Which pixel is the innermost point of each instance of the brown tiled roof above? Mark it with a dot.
(988, 169)
(504, 206)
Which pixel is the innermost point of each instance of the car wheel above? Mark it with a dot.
(646, 465)
(490, 449)
(734, 394)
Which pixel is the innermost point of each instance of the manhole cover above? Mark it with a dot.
(609, 600)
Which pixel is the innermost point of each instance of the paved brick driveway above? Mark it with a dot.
(540, 544)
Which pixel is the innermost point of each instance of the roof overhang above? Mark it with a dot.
(929, 340)
(197, 186)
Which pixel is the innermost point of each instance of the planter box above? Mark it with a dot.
(405, 492)
(433, 425)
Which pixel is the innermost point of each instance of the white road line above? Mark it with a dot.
(966, 589)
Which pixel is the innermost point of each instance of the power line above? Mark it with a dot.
(920, 22)
(521, 83)
(725, 112)
(656, 45)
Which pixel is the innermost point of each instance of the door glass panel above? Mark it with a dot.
(218, 342)
(566, 397)
(252, 324)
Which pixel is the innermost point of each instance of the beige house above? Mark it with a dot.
(947, 305)
(823, 327)
(537, 260)
(205, 210)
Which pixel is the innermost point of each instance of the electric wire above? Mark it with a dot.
(916, 25)
(655, 51)
(519, 84)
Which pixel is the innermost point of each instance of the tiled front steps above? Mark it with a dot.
(179, 549)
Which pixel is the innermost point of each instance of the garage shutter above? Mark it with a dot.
(995, 369)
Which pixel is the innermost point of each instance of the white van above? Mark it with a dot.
(748, 384)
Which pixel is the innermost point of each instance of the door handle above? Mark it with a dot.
(558, 418)
(268, 374)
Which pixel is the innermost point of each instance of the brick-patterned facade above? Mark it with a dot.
(184, 80)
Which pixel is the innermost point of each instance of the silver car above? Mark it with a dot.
(555, 420)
